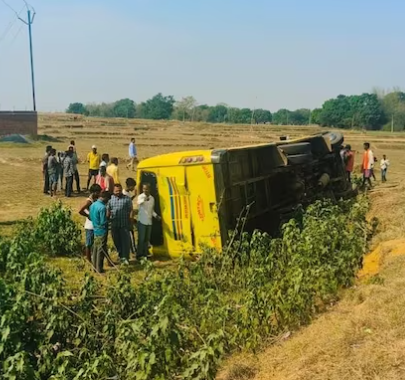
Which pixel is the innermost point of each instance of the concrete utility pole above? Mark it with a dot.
(30, 19)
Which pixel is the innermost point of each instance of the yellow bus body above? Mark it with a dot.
(201, 194)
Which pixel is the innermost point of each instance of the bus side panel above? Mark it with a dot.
(203, 206)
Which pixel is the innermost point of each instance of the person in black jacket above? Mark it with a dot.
(45, 169)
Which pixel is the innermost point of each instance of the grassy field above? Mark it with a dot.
(360, 338)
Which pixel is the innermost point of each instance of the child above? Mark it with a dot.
(384, 167)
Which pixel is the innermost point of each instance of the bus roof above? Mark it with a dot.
(173, 159)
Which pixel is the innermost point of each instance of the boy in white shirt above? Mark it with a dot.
(384, 163)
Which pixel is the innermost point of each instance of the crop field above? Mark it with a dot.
(21, 194)
(175, 325)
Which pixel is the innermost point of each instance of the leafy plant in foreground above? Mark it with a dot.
(175, 324)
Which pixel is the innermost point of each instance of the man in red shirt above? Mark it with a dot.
(349, 161)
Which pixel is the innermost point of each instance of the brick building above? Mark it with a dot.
(18, 122)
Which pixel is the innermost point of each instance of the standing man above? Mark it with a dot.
(95, 191)
(146, 204)
(68, 171)
(53, 172)
(93, 158)
(349, 162)
(133, 159)
(45, 169)
(98, 216)
(120, 212)
(75, 163)
(384, 163)
(367, 164)
(112, 171)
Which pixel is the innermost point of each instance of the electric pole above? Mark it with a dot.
(30, 19)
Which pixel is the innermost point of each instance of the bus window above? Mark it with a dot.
(157, 230)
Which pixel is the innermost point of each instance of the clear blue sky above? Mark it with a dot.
(264, 53)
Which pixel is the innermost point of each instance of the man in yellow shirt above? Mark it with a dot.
(112, 170)
(94, 159)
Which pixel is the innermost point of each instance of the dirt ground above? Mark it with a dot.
(362, 337)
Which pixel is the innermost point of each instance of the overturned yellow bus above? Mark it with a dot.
(202, 194)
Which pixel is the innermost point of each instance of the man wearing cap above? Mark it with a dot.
(93, 158)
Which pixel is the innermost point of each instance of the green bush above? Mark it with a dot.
(175, 324)
(56, 232)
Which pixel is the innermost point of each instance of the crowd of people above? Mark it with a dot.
(109, 205)
(369, 160)
(59, 168)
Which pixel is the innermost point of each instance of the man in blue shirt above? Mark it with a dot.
(133, 155)
(98, 216)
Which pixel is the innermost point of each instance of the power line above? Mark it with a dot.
(9, 6)
(10, 25)
(16, 35)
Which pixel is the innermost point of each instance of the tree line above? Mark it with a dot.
(373, 111)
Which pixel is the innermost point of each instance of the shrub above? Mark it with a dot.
(56, 232)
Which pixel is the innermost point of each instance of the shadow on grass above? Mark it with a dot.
(12, 222)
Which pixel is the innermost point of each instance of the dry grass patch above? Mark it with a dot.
(362, 337)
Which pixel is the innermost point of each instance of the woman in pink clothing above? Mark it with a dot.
(104, 180)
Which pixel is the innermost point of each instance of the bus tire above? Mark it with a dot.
(298, 148)
(300, 159)
(336, 139)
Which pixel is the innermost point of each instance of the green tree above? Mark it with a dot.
(124, 108)
(262, 116)
(393, 105)
(300, 117)
(336, 113)
(315, 116)
(158, 108)
(282, 117)
(366, 111)
(218, 114)
(77, 108)
(240, 116)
